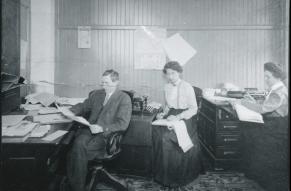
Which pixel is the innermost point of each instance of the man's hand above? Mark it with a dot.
(95, 128)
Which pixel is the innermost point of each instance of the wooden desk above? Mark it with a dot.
(28, 165)
(219, 134)
(136, 155)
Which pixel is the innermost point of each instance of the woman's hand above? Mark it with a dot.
(173, 118)
(247, 97)
(160, 115)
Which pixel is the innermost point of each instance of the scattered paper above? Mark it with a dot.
(44, 98)
(19, 130)
(51, 118)
(178, 49)
(10, 120)
(30, 107)
(40, 131)
(54, 135)
(69, 101)
(48, 110)
(245, 114)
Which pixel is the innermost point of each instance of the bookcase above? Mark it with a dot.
(219, 134)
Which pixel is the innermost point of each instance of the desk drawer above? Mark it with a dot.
(227, 139)
(222, 152)
(227, 126)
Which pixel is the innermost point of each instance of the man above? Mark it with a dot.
(108, 110)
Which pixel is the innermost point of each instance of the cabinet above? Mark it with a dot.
(219, 134)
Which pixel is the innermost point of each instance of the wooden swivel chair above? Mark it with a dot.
(98, 172)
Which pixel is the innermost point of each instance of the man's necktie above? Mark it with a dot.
(106, 99)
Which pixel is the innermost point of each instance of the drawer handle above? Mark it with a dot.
(229, 126)
(230, 139)
(228, 152)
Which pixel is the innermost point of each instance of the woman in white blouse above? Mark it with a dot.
(173, 167)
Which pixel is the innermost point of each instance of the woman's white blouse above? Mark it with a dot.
(181, 96)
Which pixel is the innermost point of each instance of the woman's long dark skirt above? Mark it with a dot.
(171, 166)
(265, 155)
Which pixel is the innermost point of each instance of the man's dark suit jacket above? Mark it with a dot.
(113, 116)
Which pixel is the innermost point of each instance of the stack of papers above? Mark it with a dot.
(180, 129)
(245, 114)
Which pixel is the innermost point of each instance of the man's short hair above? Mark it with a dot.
(174, 65)
(113, 75)
(276, 71)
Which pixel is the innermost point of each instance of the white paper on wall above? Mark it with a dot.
(149, 52)
(177, 49)
(84, 37)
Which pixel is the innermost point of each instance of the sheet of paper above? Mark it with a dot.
(180, 129)
(79, 119)
(161, 122)
(178, 49)
(65, 111)
(10, 120)
(245, 114)
(182, 135)
(148, 52)
(84, 36)
(40, 131)
(55, 135)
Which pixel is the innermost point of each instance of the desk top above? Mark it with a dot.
(138, 123)
(38, 140)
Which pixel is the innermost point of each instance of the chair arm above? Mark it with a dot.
(113, 142)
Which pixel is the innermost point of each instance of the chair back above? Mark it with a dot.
(198, 94)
